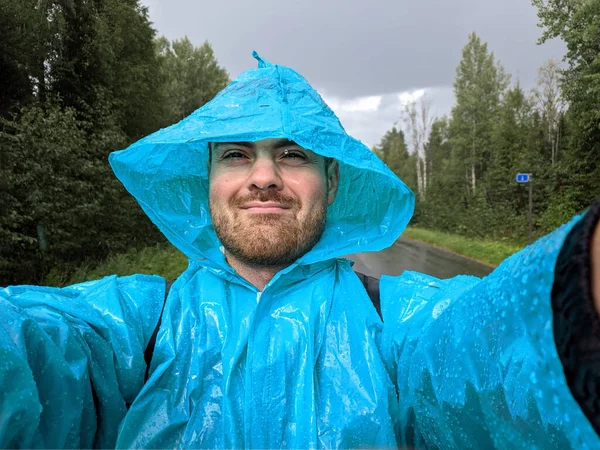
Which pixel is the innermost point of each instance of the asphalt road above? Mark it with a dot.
(407, 254)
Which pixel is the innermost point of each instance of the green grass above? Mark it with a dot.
(162, 259)
(168, 262)
(486, 251)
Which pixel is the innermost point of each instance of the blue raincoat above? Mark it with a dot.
(307, 362)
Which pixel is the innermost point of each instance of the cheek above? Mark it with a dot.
(221, 187)
(309, 189)
(219, 193)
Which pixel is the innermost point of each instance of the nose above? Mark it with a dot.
(265, 175)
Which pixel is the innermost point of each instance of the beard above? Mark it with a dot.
(268, 240)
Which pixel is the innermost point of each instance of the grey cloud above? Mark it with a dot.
(353, 48)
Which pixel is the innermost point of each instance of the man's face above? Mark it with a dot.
(268, 199)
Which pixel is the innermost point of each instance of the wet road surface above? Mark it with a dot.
(407, 254)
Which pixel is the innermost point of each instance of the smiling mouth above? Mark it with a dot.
(265, 207)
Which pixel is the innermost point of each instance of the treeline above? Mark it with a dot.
(79, 79)
(463, 167)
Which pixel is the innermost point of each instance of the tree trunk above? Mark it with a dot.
(419, 177)
(430, 177)
(473, 159)
(424, 165)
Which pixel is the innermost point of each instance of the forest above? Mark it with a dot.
(463, 167)
(82, 78)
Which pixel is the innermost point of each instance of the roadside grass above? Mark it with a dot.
(168, 262)
(161, 259)
(486, 251)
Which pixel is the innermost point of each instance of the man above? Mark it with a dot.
(268, 202)
(269, 339)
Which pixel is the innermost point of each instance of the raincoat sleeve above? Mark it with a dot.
(71, 359)
(475, 361)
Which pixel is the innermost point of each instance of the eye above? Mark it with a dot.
(233, 154)
(294, 155)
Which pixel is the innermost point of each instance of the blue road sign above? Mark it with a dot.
(522, 178)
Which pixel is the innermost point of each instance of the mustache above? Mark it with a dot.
(266, 196)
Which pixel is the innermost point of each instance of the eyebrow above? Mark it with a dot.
(278, 144)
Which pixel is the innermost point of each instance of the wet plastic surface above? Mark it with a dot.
(476, 365)
(69, 356)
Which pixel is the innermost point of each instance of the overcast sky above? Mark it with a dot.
(364, 57)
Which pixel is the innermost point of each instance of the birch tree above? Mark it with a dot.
(418, 120)
(550, 104)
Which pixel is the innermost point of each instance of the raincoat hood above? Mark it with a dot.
(167, 171)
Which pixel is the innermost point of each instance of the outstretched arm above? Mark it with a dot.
(508, 360)
(72, 359)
